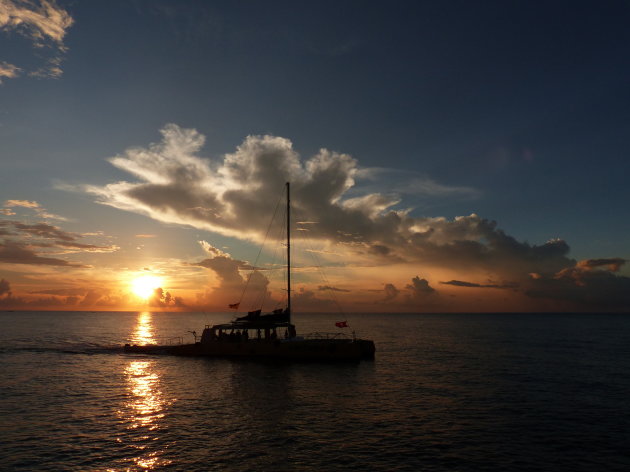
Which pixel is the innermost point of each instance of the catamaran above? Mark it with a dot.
(268, 336)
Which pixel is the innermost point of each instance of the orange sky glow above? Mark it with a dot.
(196, 249)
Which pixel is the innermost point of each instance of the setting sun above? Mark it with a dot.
(145, 285)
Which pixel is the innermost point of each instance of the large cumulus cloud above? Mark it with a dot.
(233, 196)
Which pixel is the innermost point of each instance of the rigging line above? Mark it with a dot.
(318, 266)
(322, 274)
(279, 235)
(249, 277)
(260, 299)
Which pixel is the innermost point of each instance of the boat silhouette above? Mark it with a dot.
(268, 336)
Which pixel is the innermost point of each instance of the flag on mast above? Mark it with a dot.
(234, 305)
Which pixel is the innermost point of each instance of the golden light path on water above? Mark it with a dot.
(144, 329)
(146, 403)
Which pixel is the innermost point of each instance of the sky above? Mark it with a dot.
(450, 156)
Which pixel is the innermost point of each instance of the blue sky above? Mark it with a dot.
(515, 111)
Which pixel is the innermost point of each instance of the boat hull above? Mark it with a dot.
(327, 350)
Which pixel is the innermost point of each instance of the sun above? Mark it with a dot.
(145, 285)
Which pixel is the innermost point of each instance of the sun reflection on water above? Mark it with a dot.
(144, 329)
(146, 404)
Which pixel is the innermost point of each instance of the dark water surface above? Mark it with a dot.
(446, 392)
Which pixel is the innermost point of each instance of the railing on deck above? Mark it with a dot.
(318, 335)
(173, 340)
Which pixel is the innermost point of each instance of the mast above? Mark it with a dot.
(289, 252)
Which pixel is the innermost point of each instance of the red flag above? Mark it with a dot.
(341, 324)
(234, 305)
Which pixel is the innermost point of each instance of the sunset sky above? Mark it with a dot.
(446, 156)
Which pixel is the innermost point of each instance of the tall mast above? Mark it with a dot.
(289, 251)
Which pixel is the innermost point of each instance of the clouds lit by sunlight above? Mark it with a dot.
(45, 25)
(29, 205)
(234, 195)
(8, 71)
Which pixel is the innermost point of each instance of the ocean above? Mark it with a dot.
(446, 392)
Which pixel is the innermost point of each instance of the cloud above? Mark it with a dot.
(461, 283)
(16, 253)
(589, 285)
(160, 298)
(405, 182)
(74, 291)
(233, 195)
(355, 224)
(427, 186)
(22, 203)
(48, 21)
(5, 288)
(85, 247)
(612, 264)
(416, 292)
(420, 288)
(33, 205)
(22, 241)
(43, 230)
(322, 288)
(44, 24)
(74, 296)
(12, 302)
(391, 292)
(213, 251)
(8, 71)
(306, 300)
(251, 292)
(45, 235)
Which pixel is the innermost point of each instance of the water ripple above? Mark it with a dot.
(445, 393)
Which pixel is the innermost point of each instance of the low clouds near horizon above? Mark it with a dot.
(233, 196)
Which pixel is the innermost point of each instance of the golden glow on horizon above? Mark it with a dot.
(145, 285)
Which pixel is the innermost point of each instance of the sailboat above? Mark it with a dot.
(268, 336)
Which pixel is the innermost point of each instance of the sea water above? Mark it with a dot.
(465, 392)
